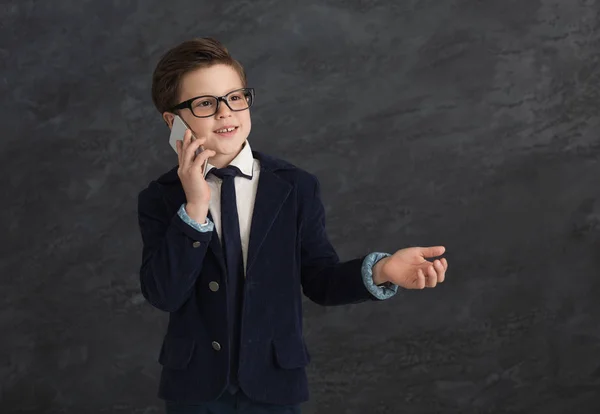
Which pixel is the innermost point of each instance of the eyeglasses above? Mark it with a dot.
(208, 105)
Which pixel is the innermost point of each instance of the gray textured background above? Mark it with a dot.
(472, 124)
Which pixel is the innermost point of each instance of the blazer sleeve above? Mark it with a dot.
(326, 280)
(172, 253)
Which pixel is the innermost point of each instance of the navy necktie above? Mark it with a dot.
(232, 250)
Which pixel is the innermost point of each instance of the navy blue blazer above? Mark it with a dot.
(183, 273)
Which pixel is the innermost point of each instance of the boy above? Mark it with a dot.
(228, 251)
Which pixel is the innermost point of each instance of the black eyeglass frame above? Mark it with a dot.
(188, 103)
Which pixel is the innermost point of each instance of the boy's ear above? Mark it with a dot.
(168, 118)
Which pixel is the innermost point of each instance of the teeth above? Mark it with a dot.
(225, 130)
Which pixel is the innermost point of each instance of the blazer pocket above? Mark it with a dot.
(290, 352)
(176, 353)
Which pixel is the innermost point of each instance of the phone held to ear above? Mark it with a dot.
(178, 132)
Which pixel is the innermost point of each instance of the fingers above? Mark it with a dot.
(432, 277)
(420, 281)
(432, 251)
(440, 269)
(434, 273)
(198, 163)
(188, 148)
(183, 143)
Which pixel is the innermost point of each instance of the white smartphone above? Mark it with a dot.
(178, 132)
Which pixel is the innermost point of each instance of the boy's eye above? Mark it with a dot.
(203, 103)
(235, 97)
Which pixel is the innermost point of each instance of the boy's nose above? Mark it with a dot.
(223, 110)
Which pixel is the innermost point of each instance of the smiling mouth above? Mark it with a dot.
(225, 130)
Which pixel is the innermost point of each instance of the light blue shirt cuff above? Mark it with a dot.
(206, 227)
(380, 292)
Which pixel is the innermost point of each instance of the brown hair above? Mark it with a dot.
(187, 56)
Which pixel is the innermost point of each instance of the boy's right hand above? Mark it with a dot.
(190, 173)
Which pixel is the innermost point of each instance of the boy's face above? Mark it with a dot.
(217, 80)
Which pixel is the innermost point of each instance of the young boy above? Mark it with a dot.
(229, 250)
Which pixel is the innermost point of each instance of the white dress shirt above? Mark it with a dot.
(245, 189)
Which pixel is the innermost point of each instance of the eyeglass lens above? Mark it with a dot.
(236, 100)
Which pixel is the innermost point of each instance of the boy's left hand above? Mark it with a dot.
(408, 268)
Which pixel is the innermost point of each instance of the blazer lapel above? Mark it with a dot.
(271, 193)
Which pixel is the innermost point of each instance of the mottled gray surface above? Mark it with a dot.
(472, 124)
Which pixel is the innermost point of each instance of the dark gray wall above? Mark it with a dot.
(472, 124)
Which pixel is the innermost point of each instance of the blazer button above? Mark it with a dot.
(196, 244)
(216, 346)
(214, 286)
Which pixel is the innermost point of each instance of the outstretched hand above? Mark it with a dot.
(410, 269)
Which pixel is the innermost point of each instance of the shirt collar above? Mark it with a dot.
(244, 161)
